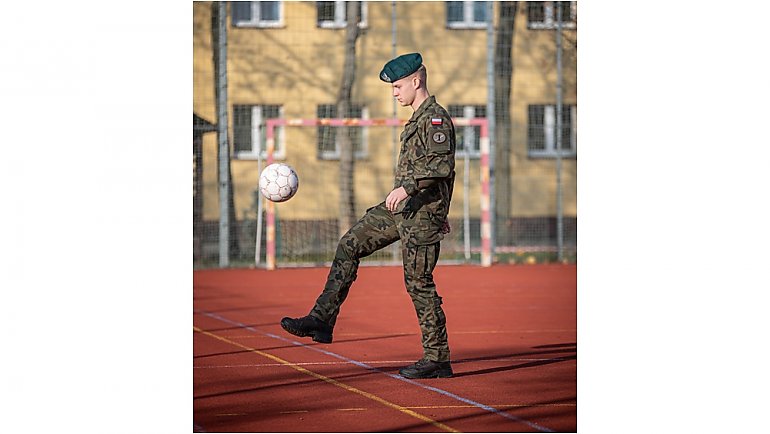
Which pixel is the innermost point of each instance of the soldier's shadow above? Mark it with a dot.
(569, 348)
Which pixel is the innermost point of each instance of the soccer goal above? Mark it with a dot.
(471, 230)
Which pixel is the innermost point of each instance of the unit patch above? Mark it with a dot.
(439, 137)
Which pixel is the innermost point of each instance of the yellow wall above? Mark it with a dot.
(534, 82)
(298, 66)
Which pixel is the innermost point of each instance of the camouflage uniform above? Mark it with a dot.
(426, 171)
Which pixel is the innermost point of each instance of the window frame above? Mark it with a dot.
(340, 21)
(549, 132)
(361, 154)
(550, 17)
(469, 112)
(256, 21)
(259, 137)
(468, 22)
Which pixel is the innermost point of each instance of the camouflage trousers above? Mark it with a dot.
(420, 244)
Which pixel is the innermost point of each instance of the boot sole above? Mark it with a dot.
(318, 336)
(436, 374)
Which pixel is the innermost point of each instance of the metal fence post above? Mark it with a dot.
(223, 154)
(491, 123)
(559, 126)
(394, 249)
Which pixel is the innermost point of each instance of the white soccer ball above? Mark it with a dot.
(278, 182)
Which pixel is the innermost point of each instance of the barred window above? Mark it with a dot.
(541, 131)
(468, 138)
(543, 15)
(334, 14)
(466, 14)
(327, 144)
(257, 14)
(250, 134)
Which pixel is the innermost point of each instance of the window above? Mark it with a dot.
(541, 132)
(250, 134)
(328, 148)
(257, 14)
(334, 15)
(466, 15)
(468, 138)
(543, 15)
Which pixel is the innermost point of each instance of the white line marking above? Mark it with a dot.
(491, 405)
(371, 368)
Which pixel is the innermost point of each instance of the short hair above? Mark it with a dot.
(422, 74)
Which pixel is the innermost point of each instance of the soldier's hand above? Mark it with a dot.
(395, 197)
(445, 228)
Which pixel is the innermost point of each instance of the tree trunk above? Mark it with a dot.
(347, 203)
(503, 80)
(233, 247)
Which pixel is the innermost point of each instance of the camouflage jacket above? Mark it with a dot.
(426, 164)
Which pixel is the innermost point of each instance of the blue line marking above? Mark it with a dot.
(372, 368)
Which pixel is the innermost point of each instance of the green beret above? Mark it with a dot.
(400, 67)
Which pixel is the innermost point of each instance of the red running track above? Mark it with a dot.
(512, 334)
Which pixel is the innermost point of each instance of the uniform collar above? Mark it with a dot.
(424, 106)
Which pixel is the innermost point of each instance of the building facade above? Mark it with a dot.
(285, 60)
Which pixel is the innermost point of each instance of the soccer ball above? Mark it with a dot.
(278, 182)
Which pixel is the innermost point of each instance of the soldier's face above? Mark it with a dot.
(404, 91)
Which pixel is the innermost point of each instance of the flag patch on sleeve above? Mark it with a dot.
(436, 121)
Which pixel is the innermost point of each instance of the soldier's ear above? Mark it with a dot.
(416, 81)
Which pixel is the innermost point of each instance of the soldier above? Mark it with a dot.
(415, 213)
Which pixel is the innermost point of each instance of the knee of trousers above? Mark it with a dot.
(346, 259)
(348, 248)
(420, 285)
(429, 300)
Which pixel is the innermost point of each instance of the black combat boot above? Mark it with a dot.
(308, 326)
(425, 368)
